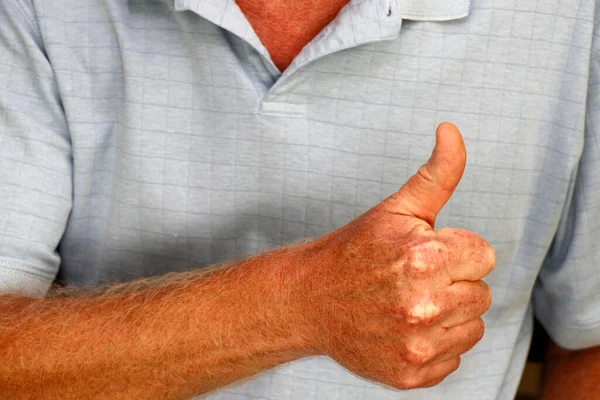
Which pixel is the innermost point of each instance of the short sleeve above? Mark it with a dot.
(35, 157)
(567, 294)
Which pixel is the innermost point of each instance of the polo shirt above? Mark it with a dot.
(145, 136)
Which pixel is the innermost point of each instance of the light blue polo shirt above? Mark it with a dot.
(144, 136)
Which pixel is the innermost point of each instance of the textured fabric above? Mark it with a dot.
(435, 10)
(142, 137)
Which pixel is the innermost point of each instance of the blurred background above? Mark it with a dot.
(529, 388)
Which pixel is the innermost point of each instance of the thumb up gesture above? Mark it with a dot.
(389, 297)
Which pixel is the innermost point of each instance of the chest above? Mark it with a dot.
(188, 150)
(285, 27)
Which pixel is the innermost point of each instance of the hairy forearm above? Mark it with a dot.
(571, 375)
(168, 338)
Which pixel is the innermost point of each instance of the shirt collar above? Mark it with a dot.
(422, 10)
(359, 22)
(227, 15)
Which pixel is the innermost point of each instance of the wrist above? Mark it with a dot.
(305, 279)
(280, 301)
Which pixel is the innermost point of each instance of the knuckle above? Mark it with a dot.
(414, 359)
(426, 257)
(406, 382)
(417, 355)
(423, 313)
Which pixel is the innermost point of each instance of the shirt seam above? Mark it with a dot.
(434, 18)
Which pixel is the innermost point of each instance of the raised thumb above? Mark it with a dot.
(426, 192)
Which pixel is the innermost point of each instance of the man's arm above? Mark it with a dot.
(386, 296)
(165, 338)
(571, 374)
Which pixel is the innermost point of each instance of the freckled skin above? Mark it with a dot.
(392, 299)
(387, 296)
(286, 26)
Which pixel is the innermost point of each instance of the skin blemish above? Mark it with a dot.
(424, 310)
(419, 263)
(426, 257)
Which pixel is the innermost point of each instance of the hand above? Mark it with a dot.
(392, 299)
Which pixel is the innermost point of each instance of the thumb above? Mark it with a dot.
(426, 192)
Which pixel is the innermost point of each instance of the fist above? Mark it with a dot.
(389, 297)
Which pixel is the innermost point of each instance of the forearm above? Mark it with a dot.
(171, 338)
(571, 375)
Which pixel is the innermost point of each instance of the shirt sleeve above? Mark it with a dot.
(567, 294)
(35, 157)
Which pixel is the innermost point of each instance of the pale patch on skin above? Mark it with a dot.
(419, 263)
(426, 256)
(424, 310)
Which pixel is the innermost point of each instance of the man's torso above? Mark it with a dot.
(189, 148)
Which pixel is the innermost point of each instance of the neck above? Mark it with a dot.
(286, 26)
